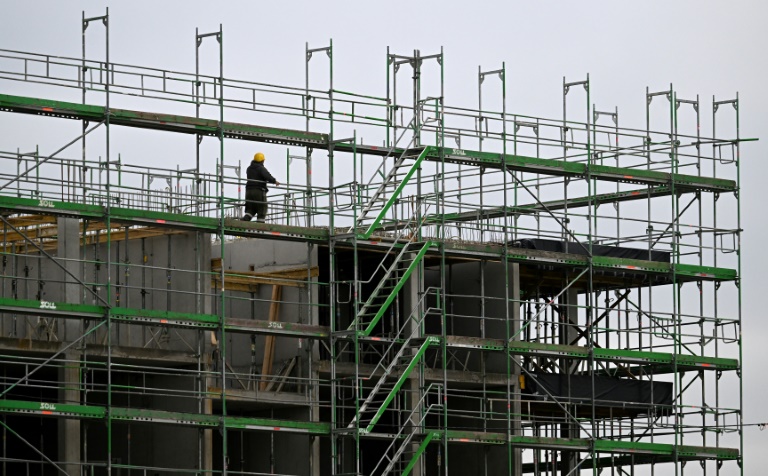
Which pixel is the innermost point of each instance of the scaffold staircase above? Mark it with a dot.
(411, 441)
(407, 455)
(405, 263)
(398, 176)
(390, 382)
(405, 166)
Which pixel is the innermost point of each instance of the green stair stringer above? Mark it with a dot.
(423, 446)
(377, 221)
(393, 294)
(401, 380)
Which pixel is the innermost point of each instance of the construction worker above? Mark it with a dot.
(256, 189)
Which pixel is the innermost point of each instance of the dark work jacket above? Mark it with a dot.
(258, 176)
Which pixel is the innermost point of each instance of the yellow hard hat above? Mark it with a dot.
(258, 157)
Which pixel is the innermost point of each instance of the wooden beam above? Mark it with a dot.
(28, 220)
(269, 344)
(118, 234)
(248, 281)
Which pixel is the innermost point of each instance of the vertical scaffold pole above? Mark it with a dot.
(223, 353)
(590, 301)
(511, 416)
(677, 237)
(108, 222)
(513, 455)
(109, 255)
(484, 410)
(104, 19)
(569, 430)
(202, 460)
(717, 145)
(650, 164)
(677, 348)
(222, 361)
(444, 284)
(306, 101)
(335, 461)
(737, 159)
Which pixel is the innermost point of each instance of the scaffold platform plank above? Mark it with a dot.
(155, 317)
(139, 415)
(163, 219)
(583, 444)
(210, 321)
(320, 235)
(157, 121)
(683, 361)
(193, 125)
(552, 205)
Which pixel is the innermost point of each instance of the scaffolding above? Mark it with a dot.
(472, 291)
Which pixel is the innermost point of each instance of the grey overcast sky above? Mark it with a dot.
(702, 47)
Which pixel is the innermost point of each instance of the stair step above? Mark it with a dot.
(386, 288)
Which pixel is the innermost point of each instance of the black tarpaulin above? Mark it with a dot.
(608, 391)
(597, 250)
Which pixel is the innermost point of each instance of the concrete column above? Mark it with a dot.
(68, 250)
(207, 448)
(69, 429)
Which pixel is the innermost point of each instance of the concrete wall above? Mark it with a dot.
(150, 273)
(147, 444)
(473, 316)
(481, 304)
(265, 256)
(268, 453)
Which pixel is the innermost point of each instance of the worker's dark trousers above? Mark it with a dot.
(255, 204)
